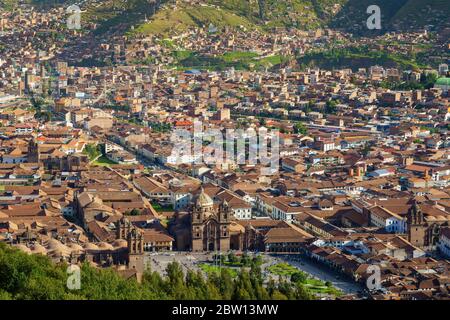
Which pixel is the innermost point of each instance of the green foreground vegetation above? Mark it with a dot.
(35, 277)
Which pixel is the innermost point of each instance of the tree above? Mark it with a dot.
(232, 258)
(24, 276)
(330, 107)
(262, 9)
(257, 260)
(5, 295)
(300, 128)
(225, 284)
(135, 212)
(245, 260)
(298, 277)
(302, 293)
(92, 151)
(277, 295)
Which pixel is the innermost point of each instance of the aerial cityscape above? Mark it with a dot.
(225, 150)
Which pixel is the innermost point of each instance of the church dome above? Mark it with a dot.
(90, 246)
(120, 243)
(39, 249)
(23, 248)
(236, 227)
(55, 244)
(75, 247)
(105, 246)
(203, 200)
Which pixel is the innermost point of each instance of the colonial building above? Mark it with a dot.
(33, 151)
(209, 224)
(423, 232)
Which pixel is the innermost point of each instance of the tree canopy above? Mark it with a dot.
(25, 277)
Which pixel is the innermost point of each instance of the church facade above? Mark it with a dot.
(422, 232)
(210, 224)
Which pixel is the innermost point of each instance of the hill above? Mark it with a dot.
(11, 4)
(395, 15)
(262, 14)
(181, 18)
(349, 15)
(114, 15)
(164, 16)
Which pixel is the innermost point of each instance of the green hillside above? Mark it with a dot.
(303, 14)
(262, 14)
(112, 15)
(395, 15)
(177, 15)
(11, 4)
(185, 17)
(349, 15)
(423, 12)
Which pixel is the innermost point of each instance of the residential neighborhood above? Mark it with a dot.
(91, 169)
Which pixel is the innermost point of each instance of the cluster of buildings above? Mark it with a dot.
(88, 172)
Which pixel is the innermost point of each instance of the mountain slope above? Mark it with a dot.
(182, 18)
(113, 15)
(179, 15)
(423, 12)
(349, 15)
(395, 15)
(303, 14)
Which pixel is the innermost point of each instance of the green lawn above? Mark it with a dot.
(317, 286)
(103, 161)
(238, 56)
(210, 268)
(282, 269)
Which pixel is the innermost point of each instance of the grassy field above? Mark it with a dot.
(282, 269)
(103, 161)
(210, 268)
